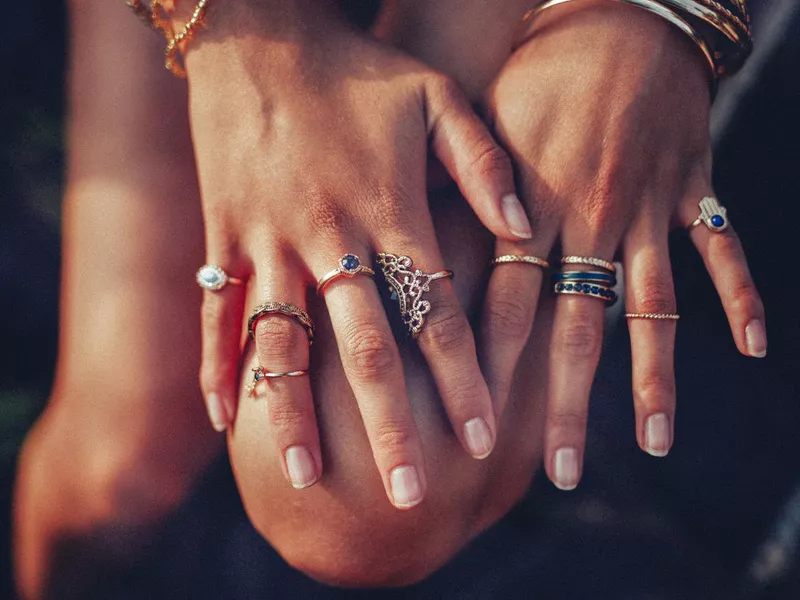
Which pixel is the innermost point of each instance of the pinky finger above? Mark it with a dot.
(725, 260)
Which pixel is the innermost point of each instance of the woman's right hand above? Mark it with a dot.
(311, 143)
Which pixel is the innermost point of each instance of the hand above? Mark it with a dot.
(311, 143)
(605, 114)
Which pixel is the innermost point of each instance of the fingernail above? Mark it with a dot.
(300, 466)
(515, 216)
(216, 412)
(657, 435)
(478, 438)
(406, 487)
(565, 469)
(756, 338)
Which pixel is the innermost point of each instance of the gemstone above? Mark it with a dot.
(595, 289)
(560, 287)
(717, 221)
(586, 287)
(350, 263)
(569, 287)
(211, 278)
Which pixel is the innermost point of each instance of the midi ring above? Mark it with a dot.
(349, 266)
(259, 374)
(409, 286)
(213, 278)
(589, 260)
(521, 258)
(712, 215)
(653, 316)
(285, 309)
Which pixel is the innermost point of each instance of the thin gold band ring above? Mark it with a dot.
(521, 258)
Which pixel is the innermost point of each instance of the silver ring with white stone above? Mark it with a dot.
(212, 278)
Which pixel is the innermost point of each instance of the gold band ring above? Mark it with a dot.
(409, 285)
(521, 258)
(213, 278)
(285, 309)
(653, 316)
(349, 266)
(589, 260)
(259, 374)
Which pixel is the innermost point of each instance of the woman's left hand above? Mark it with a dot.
(605, 112)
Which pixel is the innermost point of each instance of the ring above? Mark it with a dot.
(654, 316)
(712, 214)
(408, 287)
(600, 292)
(259, 374)
(521, 258)
(281, 308)
(212, 278)
(349, 266)
(589, 260)
(601, 278)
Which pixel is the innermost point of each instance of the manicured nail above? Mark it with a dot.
(756, 338)
(406, 486)
(478, 437)
(515, 216)
(300, 466)
(565, 469)
(657, 435)
(216, 412)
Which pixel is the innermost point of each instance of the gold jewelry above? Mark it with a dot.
(654, 316)
(349, 266)
(285, 309)
(212, 278)
(652, 6)
(259, 374)
(162, 23)
(521, 258)
(409, 286)
(589, 260)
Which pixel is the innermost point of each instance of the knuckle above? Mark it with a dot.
(371, 352)
(277, 337)
(509, 316)
(448, 91)
(655, 390)
(393, 437)
(579, 339)
(655, 295)
(390, 209)
(567, 420)
(287, 416)
(745, 296)
(489, 160)
(448, 332)
(325, 215)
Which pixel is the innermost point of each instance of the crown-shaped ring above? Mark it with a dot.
(408, 286)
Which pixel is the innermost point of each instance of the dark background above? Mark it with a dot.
(718, 518)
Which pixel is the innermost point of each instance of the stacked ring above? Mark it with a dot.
(281, 308)
(591, 290)
(349, 266)
(601, 278)
(589, 260)
(521, 258)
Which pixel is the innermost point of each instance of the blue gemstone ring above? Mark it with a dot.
(349, 266)
(590, 290)
(712, 214)
(212, 278)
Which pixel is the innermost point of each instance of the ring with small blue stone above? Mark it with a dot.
(600, 292)
(712, 214)
(349, 266)
(213, 278)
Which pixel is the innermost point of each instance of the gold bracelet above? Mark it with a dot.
(153, 17)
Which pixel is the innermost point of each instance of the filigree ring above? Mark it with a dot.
(408, 286)
(712, 214)
(213, 278)
(285, 309)
(349, 266)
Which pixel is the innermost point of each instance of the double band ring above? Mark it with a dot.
(521, 258)
(259, 374)
(349, 266)
(589, 260)
(654, 316)
(408, 286)
(712, 214)
(281, 308)
(213, 278)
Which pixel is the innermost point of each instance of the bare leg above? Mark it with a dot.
(125, 434)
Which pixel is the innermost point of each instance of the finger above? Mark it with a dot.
(508, 314)
(480, 167)
(221, 324)
(577, 339)
(372, 365)
(649, 289)
(445, 339)
(282, 345)
(725, 260)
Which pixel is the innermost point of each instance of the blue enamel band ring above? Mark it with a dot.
(712, 214)
(600, 278)
(600, 292)
(349, 266)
